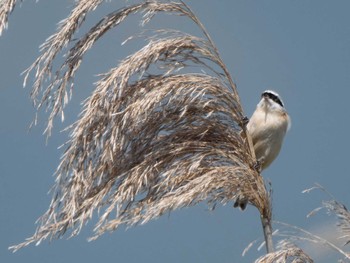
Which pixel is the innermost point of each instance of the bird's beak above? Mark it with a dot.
(266, 98)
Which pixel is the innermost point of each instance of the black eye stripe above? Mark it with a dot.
(273, 97)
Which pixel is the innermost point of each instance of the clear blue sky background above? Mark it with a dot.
(301, 49)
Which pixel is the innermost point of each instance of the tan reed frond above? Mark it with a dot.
(288, 253)
(166, 142)
(57, 94)
(343, 215)
(334, 207)
(294, 234)
(150, 138)
(6, 7)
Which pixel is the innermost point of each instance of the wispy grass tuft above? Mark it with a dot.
(155, 135)
(287, 250)
(6, 7)
(286, 253)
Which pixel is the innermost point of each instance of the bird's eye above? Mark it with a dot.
(277, 100)
(273, 97)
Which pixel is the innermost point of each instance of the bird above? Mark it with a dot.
(267, 127)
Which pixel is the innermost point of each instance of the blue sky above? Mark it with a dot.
(301, 49)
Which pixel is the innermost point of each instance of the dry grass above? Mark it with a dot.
(336, 208)
(151, 138)
(6, 7)
(286, 253)
(292, 235)
(342, 214)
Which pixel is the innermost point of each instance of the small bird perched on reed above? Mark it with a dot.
(267, 128)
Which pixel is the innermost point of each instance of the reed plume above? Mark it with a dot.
(286, 252)
(156, 134)
(6, 7)
(287, 249)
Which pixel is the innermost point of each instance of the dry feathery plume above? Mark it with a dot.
(6, 7)
(146, 143)
(295, 234)
(56, 95)
(343, 215)
(336, 208)
(341, 212)
(286, 253)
